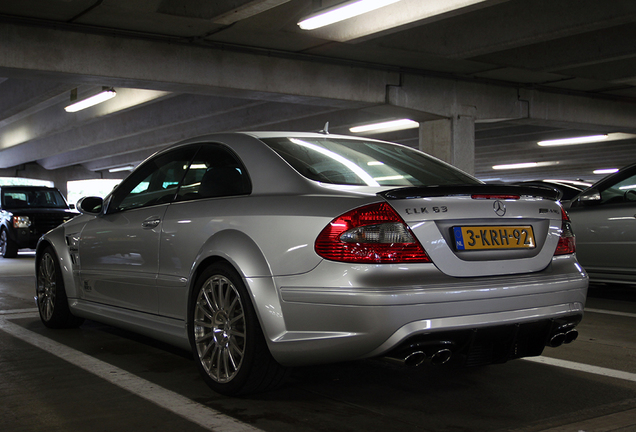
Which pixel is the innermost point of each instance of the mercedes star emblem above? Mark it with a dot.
(499, 207)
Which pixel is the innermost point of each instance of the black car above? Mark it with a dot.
(27, 212)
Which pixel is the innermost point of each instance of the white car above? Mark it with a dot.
(265, 250)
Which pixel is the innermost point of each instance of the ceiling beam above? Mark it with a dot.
(483, 101)
(115, 60)
(250, 116)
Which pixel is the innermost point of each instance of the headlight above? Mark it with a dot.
(21, 222)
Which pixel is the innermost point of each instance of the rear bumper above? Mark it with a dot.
(476, 346)
(369, 311)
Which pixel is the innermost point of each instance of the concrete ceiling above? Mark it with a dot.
(526, 70)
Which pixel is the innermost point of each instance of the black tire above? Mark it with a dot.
(8, 248)
(51, 295)
(226, 338)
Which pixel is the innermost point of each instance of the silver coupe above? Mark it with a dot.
(604, 217)
(265, 250)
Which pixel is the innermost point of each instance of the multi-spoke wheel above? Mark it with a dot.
(51, 296)
(8, 248)
(219, 328)
(226, 337)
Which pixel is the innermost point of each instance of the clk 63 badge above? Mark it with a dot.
(424, 210)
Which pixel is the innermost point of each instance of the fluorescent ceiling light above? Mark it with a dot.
(342, 12)
(122, 168)
(90, 101)
(392, 17)
(516, 166)
(523, 165)
(605, 171)
(387, 126)
(575, 140)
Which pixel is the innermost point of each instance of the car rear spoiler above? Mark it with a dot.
(465, 190)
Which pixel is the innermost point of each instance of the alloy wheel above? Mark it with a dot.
(46, 288)
(220, 328)
(3, 242)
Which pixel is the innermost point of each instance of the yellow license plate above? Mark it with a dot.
(494, 237)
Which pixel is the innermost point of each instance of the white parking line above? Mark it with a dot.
(17, 311)
(583, 368)
(166, 399)
(186, 408)
(609, 312)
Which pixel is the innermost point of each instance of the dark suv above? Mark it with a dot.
(27, 212)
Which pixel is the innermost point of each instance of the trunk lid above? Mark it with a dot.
(481, 230)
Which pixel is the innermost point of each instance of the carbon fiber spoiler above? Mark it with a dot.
(479, 189)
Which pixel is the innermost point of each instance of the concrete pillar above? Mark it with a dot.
(451, 140)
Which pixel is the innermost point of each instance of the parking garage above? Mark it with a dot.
(482, 83)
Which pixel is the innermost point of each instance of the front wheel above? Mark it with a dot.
(51, 295)
(226, 338)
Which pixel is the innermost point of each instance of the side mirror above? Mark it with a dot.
(90, 205)
(588, 198)
(71, 206)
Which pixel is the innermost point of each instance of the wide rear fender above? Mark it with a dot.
(249, 261)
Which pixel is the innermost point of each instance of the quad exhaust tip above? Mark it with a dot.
(563, 337)
(436, 356)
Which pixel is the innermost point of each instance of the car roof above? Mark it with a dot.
(27, 187)
(287, 134)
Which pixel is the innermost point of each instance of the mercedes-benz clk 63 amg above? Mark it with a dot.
(265, 250)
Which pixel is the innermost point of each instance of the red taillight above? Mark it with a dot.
(567, 244)
(371, 234)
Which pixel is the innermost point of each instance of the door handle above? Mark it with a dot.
(150, 223)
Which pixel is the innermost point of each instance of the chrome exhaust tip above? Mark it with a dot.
(564, 335)
(415, 359)
(557, 340)
(441, 357)
(571, 336)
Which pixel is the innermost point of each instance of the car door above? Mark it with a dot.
(215, 177)
(605, 228)
(119, 250)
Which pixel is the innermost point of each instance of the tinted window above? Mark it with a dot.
(154, 182)
(214, 172)
(364, 163)
(623, 191)
(25, 198)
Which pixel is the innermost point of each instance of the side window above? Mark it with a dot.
(623, 191)
(14, 199)
(155, 182)
(214, 172)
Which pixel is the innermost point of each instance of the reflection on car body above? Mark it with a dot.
(264, 250)
(604, 217)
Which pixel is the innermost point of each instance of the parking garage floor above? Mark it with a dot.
(99, 378)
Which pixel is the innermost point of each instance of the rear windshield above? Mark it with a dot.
(29, 198)
(364, 163)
